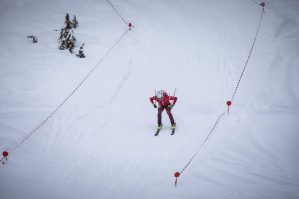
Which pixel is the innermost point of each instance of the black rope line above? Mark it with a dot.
(249, 55)
(205, 140)
(117, 12)
(3, 159)
(235, 91)
(69, 96)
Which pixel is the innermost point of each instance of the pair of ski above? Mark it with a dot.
(158, 131)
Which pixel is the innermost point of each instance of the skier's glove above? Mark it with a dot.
(170, 105)
(155, 106)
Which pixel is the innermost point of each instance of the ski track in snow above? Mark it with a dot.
(121, 85)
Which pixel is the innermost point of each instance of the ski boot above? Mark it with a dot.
(159, 126)
(173, 126)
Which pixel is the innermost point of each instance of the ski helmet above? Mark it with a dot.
(160, 94)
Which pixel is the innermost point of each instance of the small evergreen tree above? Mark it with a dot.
(81, 53)
(71, 41)
(74, 22)
(67, 40)
(63, 39)
(68, 23)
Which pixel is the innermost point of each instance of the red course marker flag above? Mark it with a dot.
(130, 26)
(5, 154)
(228, 103)
(176, 175)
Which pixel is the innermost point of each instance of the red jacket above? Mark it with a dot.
(165, 101)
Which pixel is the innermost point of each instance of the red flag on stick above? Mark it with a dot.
(5, 154)
(176, 175)
(228, 103)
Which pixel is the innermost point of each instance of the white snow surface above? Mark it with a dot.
(100, 143)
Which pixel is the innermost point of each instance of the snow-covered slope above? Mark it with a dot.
(100, 143)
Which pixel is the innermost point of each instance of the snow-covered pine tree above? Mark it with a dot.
(71, 41)
(67, 40)
(64, 33)
(74, 22)
(68, 23)
(81, 53)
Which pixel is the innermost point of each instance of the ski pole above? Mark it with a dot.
(174, 92)
(155, 95)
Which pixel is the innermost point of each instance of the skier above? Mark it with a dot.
(164, 103)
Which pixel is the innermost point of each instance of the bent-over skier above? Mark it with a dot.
(163, 100)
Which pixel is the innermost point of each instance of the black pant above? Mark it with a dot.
(168, 110)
